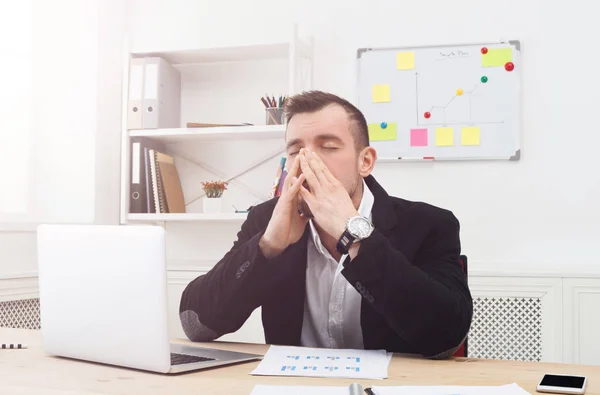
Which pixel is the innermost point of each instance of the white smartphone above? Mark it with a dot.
(562, 384)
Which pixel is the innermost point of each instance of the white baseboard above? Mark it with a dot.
(476, 268)
(18, 227)
(190, 265)
(19, 286)
(24, 285)
(535, 270)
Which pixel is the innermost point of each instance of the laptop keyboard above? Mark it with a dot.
(180, 359)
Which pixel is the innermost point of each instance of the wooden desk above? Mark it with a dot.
(30, 371)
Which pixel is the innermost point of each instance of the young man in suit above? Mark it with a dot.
(335, 261)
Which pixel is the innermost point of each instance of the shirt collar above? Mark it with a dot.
(366, 203)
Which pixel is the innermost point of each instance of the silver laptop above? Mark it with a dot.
(103, 298)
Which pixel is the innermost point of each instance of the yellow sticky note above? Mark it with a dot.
(381, 93)
(496, 57)
(470, 135)
(405, 60)
(378, 133)
(444, 137)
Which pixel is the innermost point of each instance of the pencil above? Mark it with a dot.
(272, 118)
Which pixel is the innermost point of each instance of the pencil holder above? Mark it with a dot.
(275, 116)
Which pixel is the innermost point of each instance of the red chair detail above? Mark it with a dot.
(463, 349)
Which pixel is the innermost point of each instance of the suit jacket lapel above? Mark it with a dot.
(384, 216)
(286, 328)
(293, 290)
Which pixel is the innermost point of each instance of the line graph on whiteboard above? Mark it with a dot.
(457, 110)
(447, 102)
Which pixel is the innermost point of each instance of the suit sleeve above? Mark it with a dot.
(427, 302)
(220, 301)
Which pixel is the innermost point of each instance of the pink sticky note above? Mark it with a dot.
(418, 137)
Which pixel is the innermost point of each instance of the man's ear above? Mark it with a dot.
(366, 161)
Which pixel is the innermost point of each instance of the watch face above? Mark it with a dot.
(360, 227)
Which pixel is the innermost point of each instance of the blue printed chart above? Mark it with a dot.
(448, 102)
(316, 362)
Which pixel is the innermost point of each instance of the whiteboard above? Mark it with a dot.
(446, 102)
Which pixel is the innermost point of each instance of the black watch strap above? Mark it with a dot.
(344, 243)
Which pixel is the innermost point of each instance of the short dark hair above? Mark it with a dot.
(313, 101)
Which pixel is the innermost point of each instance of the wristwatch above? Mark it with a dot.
(357, 228)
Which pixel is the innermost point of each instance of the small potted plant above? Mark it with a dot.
(213, 191)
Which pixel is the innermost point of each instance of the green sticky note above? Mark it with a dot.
(381, 93)
(377, 133)
(470, 135)
(444, 137)
(496, 57)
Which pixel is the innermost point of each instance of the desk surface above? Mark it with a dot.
(31, 371)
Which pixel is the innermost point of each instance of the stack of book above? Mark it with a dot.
(155, 185)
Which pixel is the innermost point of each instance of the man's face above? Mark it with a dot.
(326, 132)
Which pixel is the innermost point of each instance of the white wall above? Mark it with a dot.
(16, 56)
(540, 211)
(15, 104)
(74, 123)
(112, 19)
(65, 80)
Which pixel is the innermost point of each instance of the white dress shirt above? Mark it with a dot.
(331, 306)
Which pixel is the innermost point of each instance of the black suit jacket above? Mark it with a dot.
(415, 293)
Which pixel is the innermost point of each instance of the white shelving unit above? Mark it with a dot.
(187, 217)
(275, 50)
(298, 54)
(178, 135)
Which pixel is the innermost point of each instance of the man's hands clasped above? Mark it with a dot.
(325, 196)
(287, 224)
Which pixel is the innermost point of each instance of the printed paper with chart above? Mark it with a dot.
(508, 389)
(317, 362)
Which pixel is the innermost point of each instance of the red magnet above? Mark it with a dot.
(427, 115)
(484, 50)
(509, 66)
